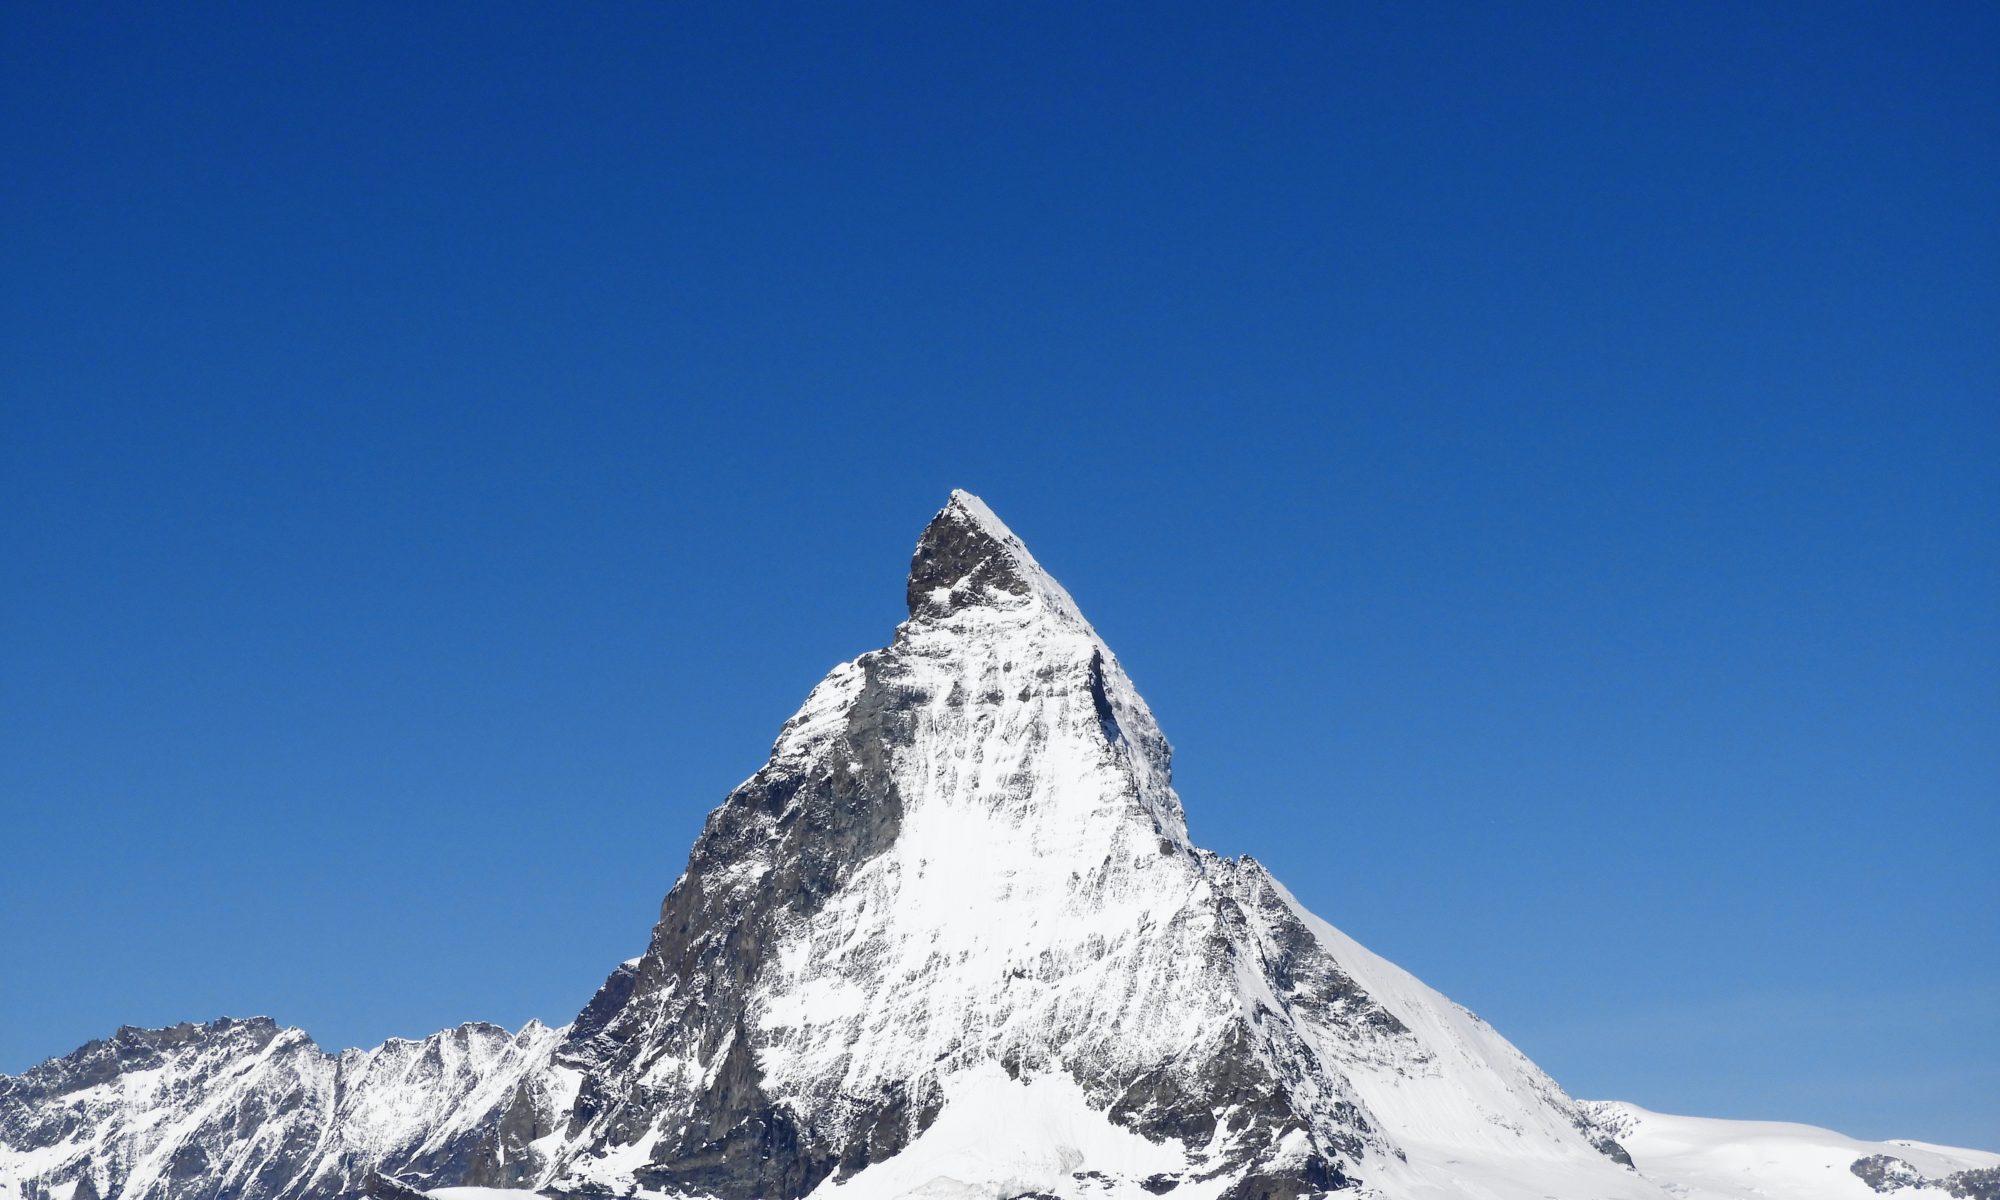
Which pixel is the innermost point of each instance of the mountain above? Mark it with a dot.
(951, 940)
(245, 1108)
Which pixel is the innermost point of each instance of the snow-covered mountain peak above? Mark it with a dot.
(950, 941)
(959, 902)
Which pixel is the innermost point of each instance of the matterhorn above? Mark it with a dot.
(951, 940)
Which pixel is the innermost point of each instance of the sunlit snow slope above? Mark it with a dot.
(1707, 1159)
(951, 940)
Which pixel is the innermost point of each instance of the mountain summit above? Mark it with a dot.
(967, 556)
(950, 940)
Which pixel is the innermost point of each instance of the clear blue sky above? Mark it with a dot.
(1539, 461)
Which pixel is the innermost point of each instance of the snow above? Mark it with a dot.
(1703, 1158)
(1470, 1095)
(997, 1137)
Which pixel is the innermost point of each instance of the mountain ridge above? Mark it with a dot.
(952, 939)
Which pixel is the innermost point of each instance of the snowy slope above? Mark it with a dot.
(951, 940)
(1707, 1159)
(1690, 1158)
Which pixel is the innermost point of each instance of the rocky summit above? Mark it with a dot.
(951, 940)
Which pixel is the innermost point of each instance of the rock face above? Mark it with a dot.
(952, 939)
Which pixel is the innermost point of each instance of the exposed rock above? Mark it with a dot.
(1611, 1150)
(386, 1187)
(1980, 1184)
(1885, 1173)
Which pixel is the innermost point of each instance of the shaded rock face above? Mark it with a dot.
(964, 853)
(666, 1044)
(1608, 1147)
(958, 563)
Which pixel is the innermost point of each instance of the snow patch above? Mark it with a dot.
(998, 1137)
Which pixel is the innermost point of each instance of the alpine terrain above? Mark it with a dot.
(951, 940)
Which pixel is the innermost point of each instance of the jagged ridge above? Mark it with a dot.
(246, 1108)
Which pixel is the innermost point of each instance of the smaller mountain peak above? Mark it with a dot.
(967, 558)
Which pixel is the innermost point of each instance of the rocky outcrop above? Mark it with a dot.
(1887, 1173)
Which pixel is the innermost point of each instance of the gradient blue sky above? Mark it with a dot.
(1539, 463)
